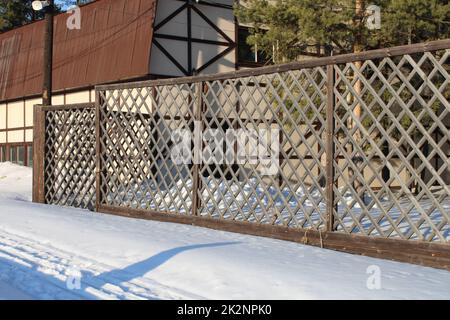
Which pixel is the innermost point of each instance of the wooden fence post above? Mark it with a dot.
(38, 154)
(197, 158)
(98, 192)
(330, 147)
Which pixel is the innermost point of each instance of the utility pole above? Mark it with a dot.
(48, 55)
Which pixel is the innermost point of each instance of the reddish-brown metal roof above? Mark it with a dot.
(113, 44)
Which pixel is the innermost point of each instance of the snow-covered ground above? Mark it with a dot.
(49, 252)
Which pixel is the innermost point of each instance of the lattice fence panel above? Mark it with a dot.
(137, 128)
(69, 162)
(287, 189)
(393, 147)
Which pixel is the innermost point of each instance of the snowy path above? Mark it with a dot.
(122, 258)
(39, 263)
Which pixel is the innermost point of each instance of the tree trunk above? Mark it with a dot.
(358, 47)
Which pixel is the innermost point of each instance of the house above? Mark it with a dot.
(119, 41)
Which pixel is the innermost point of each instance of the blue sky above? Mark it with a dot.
(65, 3)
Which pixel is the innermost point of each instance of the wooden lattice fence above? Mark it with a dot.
(362, 157)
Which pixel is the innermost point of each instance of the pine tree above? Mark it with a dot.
(293, 25)
(14, 13)
(339, 26)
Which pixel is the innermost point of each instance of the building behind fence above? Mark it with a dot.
(363, 158)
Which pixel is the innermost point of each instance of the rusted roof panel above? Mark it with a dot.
(113, 44)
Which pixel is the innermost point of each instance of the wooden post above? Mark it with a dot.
(48, 55)
(98, 193)
(38, 154)
(360, 7)
(39, 114)
(198, 106)
(280, 154)
(236, 127)
(330, 148)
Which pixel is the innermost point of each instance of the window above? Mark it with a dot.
(21, 155)
(2, 153)
(13, 154)
(246, 54)
(30, 155)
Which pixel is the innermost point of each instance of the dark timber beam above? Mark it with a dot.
(210, 4)
(195, 40)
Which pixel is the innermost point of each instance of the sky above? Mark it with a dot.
(65, 3)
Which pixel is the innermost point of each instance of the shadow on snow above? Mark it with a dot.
(30, 277)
